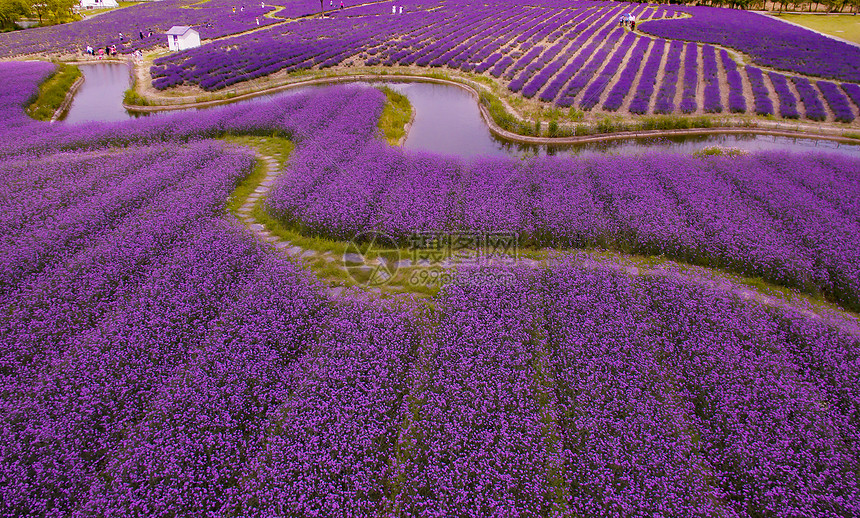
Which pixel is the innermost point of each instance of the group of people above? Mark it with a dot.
(242, 9)
(122, 36)
(629, 20)
(395, 11)
(331, 4)
(109, 50)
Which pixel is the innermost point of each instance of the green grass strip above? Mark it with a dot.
(52, 92)
(395, 116)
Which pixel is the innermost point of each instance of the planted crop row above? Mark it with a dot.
(665, 101)
(737, 102)
(164, 362)
(763, 104)
(640, 205)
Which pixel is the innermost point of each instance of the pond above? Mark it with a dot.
(448, 121)
(100, 96)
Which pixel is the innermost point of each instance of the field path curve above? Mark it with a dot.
(711, 279)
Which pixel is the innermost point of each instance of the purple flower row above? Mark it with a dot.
(570, 68)
(665, 101)
(625, 80)
(787, 100)
(586, 73)
(691, 81)
(737, 101)
(704, 216)
(712, 102)
(645, 89)
(769, 41)
(836, 100)
(853, 92)
(763, 104)
(157, 360)
(543, 76)
(811, 102)
(599, 83)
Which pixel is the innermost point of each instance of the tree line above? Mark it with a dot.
(830, 6)
(46, 11)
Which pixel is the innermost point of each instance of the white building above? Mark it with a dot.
(98, 4)
(182, 37)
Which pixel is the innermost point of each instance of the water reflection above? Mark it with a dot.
(448, 121)
(100, 97)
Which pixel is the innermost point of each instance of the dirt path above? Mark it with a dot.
(801, 106)
(700, 81)
(794, 303)
(771, 92)
(722, 82)
(679, 85)
(747, 89)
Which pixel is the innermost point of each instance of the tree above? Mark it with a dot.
(53, 11)
(11, 11)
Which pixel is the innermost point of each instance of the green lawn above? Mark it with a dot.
(87, 13)
(845, 26)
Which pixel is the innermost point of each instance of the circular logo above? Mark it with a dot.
(371, 258)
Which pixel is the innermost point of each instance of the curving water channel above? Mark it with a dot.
(448, 121)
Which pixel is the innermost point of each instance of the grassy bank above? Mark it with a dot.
(52, 92)
(565, 124)
(133, 98)
(395, 116)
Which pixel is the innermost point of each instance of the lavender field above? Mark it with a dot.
(157, 359)
(567, 54)
(571, 54)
